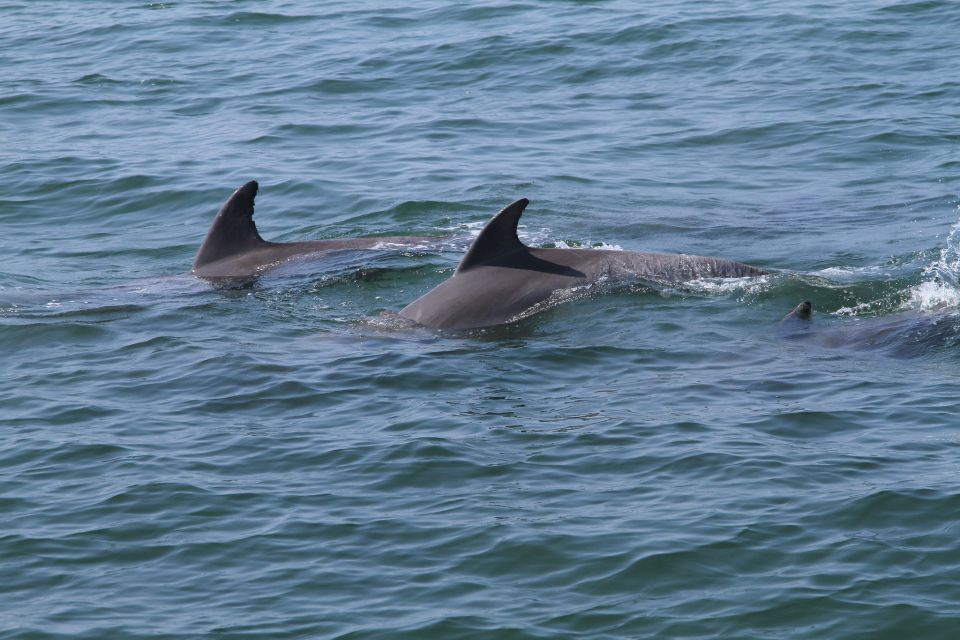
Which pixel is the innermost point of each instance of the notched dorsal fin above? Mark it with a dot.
(233, 230)
(497, 238)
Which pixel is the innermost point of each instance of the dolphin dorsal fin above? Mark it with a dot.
(497, 238)
(802, 312)
(233, 230)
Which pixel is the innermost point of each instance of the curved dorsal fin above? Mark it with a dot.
(233, 230)
(497, 238)
(801, 312)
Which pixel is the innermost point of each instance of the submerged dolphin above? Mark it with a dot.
(500, 277)
(234, 250)
(907, 334)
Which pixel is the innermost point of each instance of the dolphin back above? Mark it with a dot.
(500, 278)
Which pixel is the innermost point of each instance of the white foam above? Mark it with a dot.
(471, 227)
(849, 274)
(599, 246)
(382, 246)
(855, 310)
(728, 285)
(603, 246)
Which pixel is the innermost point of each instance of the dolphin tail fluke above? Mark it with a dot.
(233, 230)
(803, 312)
(497, 238)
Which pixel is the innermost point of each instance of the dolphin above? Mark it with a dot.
(907, 334)
(799, 315)
(233, 250)
(499, 277)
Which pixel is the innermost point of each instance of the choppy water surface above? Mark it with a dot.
(282, 461)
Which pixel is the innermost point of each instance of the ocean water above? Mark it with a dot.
(281, 461)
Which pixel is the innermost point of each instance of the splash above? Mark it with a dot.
(939, 287)
(933, 295)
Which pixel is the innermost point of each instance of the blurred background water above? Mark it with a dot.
(277, 461)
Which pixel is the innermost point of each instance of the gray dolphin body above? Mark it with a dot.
(499, 277)
(907, 335)
(233, 249)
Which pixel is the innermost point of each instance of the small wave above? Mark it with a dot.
(858, 309)
(260, 18)
(471, 227)
(915, 8)
(850, 274)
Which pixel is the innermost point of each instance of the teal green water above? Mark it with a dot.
(280, 461)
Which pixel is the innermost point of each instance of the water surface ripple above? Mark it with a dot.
(282, 461)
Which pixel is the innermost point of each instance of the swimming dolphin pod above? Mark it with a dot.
(234, 250)
(499, 277)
